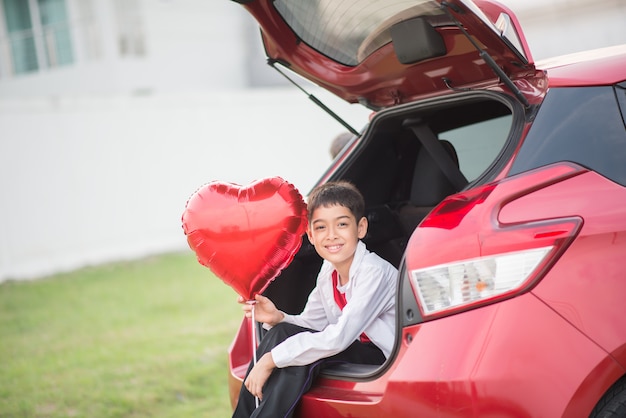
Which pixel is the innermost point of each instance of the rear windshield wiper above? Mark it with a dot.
(272, 63)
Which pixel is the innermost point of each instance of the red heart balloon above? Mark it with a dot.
(245, 235)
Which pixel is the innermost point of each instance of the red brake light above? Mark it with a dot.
(461, 256)
(450, 214)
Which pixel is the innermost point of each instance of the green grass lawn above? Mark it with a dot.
(140, 339)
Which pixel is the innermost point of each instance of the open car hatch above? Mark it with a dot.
(386, 52)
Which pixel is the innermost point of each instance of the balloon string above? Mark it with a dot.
(253, 303)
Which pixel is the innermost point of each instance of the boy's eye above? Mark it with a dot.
(319, 227)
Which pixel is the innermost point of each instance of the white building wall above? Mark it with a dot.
(89, 180)
(97, 160)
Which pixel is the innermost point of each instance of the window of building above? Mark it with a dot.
(130, 38)
(38, 34)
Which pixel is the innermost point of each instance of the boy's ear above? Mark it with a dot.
(362, 227)
(308, 234)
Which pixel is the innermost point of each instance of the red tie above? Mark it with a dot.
(340, 298)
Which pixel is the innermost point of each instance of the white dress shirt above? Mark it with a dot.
(370, 294)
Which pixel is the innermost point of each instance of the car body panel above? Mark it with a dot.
(587, 293)
(572, 288)
(470, 372)
(600, 67)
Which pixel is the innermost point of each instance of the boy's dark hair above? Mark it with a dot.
(342, 193)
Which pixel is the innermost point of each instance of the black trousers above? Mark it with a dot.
(285, 386)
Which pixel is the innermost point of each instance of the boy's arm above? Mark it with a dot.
(259, 374)
(373, 294)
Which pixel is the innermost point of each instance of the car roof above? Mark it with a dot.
(603, 66)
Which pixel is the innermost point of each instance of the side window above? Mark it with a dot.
(477, 145)
(583, 125)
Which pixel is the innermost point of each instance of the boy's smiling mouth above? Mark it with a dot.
(334, 247)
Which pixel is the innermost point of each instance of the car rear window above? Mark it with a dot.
(583, 125)
(478, 144)
(348, 31)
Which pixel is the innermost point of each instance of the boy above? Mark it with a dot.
(349, 316)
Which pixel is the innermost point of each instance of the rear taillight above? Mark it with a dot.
(461, 256)
(469, 282)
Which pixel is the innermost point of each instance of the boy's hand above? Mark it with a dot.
(259, 374)
(264, 310)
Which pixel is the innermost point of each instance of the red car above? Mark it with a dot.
(494, 183)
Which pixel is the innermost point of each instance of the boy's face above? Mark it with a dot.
(335, 232)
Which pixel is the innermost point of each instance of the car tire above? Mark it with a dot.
(613, 403)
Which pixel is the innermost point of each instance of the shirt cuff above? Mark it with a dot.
(280, 356)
